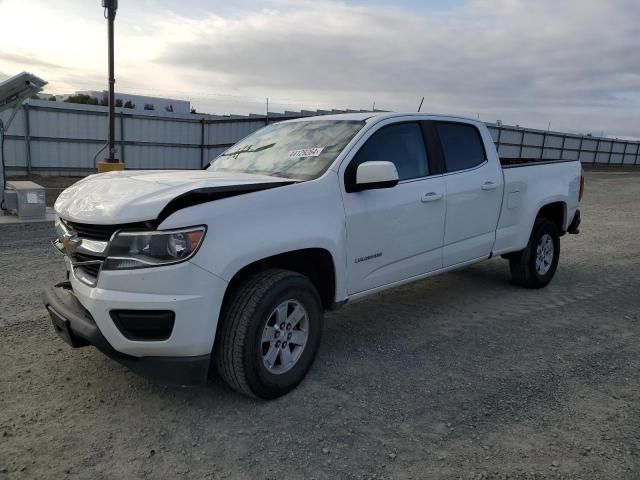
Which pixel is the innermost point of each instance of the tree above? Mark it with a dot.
(118, 102)
(193, 110)
(129, 104)
(83, 99)
(149, 106)
(52, 98)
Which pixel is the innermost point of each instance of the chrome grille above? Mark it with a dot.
(83, 242)
(102, 232)
(94, 232)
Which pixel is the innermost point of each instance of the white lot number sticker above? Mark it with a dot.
(305, 152)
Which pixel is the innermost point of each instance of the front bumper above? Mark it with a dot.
(192, 293)
(76, 326)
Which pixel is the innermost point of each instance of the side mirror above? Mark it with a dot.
(372, 175)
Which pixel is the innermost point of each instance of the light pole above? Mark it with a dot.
(111, 162)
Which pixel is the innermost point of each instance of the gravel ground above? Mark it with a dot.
(460, 376)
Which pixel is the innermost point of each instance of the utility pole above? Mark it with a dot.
(111, 162)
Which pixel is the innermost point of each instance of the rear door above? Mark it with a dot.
(474, 193)
(395, 233)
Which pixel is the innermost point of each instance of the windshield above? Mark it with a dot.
(300, 150)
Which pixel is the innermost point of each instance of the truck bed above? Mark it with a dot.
(512, 162)
(528, 185)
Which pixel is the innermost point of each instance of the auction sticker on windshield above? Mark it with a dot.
(305, 152)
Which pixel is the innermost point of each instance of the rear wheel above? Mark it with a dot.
(535, 266)
(270, 334)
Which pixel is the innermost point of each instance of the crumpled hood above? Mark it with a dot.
(134, 196)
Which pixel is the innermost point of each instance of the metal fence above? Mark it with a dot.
(49, 138)
(517, 142)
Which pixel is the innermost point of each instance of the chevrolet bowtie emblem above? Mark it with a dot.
(71, 243)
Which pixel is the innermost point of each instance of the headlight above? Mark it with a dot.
(152, 249)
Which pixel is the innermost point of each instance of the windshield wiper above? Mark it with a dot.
(247, 149)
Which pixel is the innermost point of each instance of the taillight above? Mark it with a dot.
(581, 185)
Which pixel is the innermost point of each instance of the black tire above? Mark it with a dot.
(523, 264)
(238, 351)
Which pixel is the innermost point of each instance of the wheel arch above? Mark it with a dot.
(317, 264)
(555, 212)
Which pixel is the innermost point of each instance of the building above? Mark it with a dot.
(142, 102)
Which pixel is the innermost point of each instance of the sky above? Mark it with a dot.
(570, 64)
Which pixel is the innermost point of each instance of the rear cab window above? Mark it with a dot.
(462, 146)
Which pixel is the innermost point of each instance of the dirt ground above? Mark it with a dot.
(460, 376)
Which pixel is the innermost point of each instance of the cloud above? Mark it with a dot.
(573, 62)
(28, 60)
(511, 58)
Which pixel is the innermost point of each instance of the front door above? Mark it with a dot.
(396, 233)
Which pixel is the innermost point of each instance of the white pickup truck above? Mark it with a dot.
(174, 273)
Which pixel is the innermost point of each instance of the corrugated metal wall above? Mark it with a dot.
(519, 142)
(65, 139)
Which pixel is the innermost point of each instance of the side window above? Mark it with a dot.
(462, 145)
(401, 144)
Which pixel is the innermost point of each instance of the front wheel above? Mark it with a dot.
(270, 334)
(535, 266)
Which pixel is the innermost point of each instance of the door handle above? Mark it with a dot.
(489, 186)
(431, 197)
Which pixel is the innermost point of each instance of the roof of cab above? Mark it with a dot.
(369, 116)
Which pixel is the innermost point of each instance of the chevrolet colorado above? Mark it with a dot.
(175, 272)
